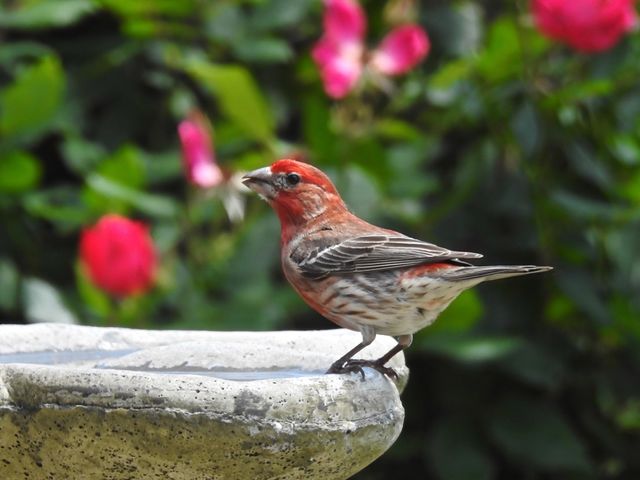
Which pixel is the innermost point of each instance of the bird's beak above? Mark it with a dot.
(261, 182)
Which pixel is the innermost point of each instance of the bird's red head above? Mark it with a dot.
(298, 192)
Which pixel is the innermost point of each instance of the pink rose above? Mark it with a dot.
(119, 256)
(586, 25)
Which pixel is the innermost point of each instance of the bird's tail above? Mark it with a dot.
(495, 272)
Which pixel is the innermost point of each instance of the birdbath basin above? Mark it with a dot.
(112, 403)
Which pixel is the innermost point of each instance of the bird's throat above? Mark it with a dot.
(294, 212)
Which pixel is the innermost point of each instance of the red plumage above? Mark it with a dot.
(360, 276)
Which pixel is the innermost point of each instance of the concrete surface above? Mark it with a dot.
(108, 403)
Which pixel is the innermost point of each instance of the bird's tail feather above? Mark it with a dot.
(494, 272)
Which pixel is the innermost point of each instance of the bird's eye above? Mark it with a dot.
(293, 178)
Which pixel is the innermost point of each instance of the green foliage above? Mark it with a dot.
(30, 103)
(19, 171)
(471, 460)
(538, 434)
(502, 142)
(238, 95)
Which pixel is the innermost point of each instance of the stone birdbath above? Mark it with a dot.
(112, 403)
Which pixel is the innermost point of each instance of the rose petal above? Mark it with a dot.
(344, 21)
(585, 25)
(401, 50)
(340, 66)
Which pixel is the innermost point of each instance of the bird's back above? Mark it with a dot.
(355, 274)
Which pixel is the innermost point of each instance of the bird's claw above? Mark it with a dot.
(346, 368)
(379, 367)
(356, 366)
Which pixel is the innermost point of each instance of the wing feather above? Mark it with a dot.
(371, 253)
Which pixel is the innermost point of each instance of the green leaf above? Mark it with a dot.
(360, 191)
(43, 303)
(94, 298)
(630, 188)
(45, 13)
(81, 155)
(166, 236)
(527, 129)
(226, 22)
(537, 434)
(15, 52)
(61, 205)
(154, 205)
(625, 318)
(457, 27)
(587, 163)
(144, 8)
(254, 253)
(125, 166)
(265, 50)
(469, 349)
(534, 365)
(153, 18)
(30, 103)
(501, 58)
(444, 86)
(579, 92)
(626, 148)
(9, 279)
(279, 13)
(162, 167)
(450, 74)
(583, 207)
(395, 129)
(316, 129)
(19, 171)
(239, 97)
(585, 293)
(628, 418)
(508, 47)
(470, 461)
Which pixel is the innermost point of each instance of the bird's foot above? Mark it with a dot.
(356, 366)
(376, 365)
(346, 367)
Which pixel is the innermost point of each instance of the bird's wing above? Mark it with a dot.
(373, 253)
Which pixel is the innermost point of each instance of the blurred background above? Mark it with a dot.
(504, 140)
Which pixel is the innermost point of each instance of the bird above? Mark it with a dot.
(362, 277)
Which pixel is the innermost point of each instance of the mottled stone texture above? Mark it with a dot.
(158, 407)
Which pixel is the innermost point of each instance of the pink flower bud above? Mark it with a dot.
(401, 50)
(197, 153)
(344, 21)
(586, 25)
(339, 52)
(119, 255)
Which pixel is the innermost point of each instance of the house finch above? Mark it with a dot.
(360, 276)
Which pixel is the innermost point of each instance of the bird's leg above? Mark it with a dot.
(344, 363)
(379, 365)
(339, 366)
